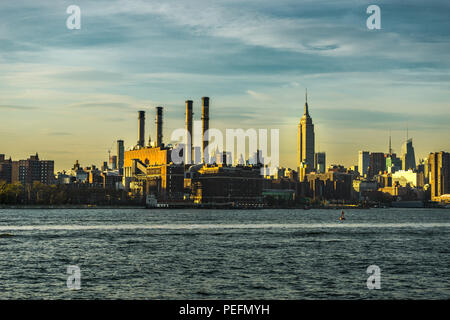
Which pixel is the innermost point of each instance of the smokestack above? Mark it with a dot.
(120, 156)
(205, 126)
(141, 128)
(159, 123)
(188, 155)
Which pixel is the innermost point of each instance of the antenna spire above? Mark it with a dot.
(306, 103)
(407, 133)
(390, 145)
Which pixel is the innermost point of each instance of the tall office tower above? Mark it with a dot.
(188, 153)
(426, 169)
(120, 156)
(363, 162)
(408, 156)
(205, 127)
(320, 163)
(393, 163)
(141, 128)
(439, 177)
(305, 141)
(113, 162)
(377, 163)
(159, 126)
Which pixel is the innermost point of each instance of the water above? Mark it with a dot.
(224, 254)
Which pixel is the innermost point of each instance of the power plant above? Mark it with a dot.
(205, 127)
(120, 156)
(150, 170)
(141, 129)
(159, 124)
(189, 141)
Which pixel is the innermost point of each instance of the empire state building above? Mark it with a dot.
(305, 142)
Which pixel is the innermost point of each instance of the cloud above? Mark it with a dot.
(258, 95)
(105, 105)
(59, 133)
(363, 118)
(13, 107)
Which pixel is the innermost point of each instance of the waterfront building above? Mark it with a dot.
(377, 163)
(120, 156)
(439, 176)
(64, 178)
(405, 177)
(5, 169)
(305, 141)
(330, 185)
(80, 175)
(320, 162)
(363, 188)
(33, 169)
(363, 163)
(408, 156)
(222, 184)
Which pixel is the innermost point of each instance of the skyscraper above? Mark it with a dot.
(320, 162)
(377, 163)
(305, 141)
(408, 156)
(363, 162)
(439, 163)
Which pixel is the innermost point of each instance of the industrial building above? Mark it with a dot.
(149, 170)
(223, 184)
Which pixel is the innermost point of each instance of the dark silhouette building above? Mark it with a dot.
(33, 169)
(5, 169)
(439, 174)
(377, 163)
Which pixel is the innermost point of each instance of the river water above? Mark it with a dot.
(224, 254)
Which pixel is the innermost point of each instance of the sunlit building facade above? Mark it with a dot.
(305, 141)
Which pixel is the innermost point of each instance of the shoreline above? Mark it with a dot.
(68, 207)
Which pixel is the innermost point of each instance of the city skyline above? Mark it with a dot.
(70, 94)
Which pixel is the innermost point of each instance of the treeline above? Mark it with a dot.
(76, 194)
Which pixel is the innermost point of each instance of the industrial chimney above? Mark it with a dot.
(205, 127)
(141, 128)
(159, 123)
(120, 156)
(188, 147)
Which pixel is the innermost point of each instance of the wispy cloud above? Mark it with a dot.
(258, 95)
(105, 105)
(59, 133)
(12, 107)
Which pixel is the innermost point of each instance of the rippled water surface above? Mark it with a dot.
(224, 254)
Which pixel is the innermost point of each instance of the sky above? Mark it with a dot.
(70, 94)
